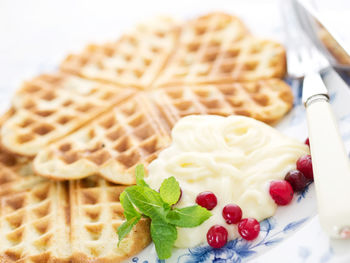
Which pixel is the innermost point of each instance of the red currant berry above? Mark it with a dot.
(232, 213)
(307, 142)
(217, 236)
(304, 165)
(297, 180)
(207, 200)
(249, 228)
(281, 192)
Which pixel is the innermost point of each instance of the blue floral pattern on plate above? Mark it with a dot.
(239, 249)
(300, 195)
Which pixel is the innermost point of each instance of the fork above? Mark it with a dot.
(331, 165)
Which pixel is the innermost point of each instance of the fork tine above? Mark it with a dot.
(302, 56)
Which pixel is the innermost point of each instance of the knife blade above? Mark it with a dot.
(324, 35)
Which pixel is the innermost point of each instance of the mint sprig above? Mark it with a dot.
(163, 236)
(140, 200)
(131, 214)
(170, 191)
(140, 174)
(190, 216)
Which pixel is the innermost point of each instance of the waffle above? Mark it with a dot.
(264, 100)
(111, 146)
(96, 214)
(217, 48)
(134, 60)
(67, 222)
(52, 106)
(137, 130)
(16, 174)
(33, 224)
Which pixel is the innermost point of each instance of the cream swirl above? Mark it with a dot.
(234, 157)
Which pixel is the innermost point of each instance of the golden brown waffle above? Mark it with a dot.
(96, 214)
(216, 48)
(67, 222)
(34, 224)
(134, 60)
(16, 174)
(111, 146)
(84, 128)
(137, 130)
(52, 106)
(264, 100)
(44, 221)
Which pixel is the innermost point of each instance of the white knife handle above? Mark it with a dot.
(331, 168)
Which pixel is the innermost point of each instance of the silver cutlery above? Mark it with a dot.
(331, 165)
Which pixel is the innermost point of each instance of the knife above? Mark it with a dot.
(324, 35)
(331, 165)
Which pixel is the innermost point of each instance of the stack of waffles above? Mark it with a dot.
(72, 138)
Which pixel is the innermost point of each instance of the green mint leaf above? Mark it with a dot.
(141, 200)
(190, 216)
(140, 174)
(129, 209)
(147, 201)
(126, 227)
(131, 214)
(163, 236)
(170, 190)
(167, 208)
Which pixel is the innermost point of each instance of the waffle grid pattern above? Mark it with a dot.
(74, 221)
(136, 59)
(137, 130)
(218, 48)
(16, 177)
(96, 215)
(246, 59)
(109, 108)
(16, 174)
(212, 49)
(44, 221)
(112, 145)
(52, 106)
(33, 223)
(265, 100)
(47, 221)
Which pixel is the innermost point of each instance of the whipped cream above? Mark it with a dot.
(234, 157)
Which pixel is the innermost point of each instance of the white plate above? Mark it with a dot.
(293, 234)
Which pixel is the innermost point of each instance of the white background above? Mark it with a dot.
(34, 33)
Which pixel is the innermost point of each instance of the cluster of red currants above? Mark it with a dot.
(281, 192)
(248, 228)
(295, 180)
